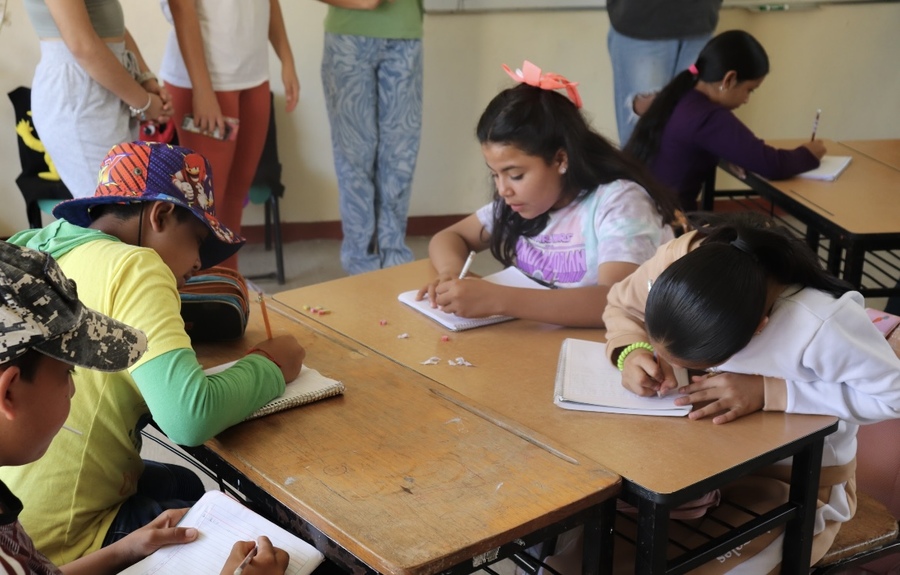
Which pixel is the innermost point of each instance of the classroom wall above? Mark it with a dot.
(840, 58)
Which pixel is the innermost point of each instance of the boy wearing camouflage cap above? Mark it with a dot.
(150, 225)
(44, 331)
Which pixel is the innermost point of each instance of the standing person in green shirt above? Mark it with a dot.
(372, 76)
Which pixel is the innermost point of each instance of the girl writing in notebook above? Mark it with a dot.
(690, 125)
(569, 210)
(748, 303)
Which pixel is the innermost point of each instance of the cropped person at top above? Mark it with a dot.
(570, 210)
(216, 66)
(372, 77)
(649, 42)
(44, 332)
(129, 248)
(91, 87)
(749, 303)
(690, 126)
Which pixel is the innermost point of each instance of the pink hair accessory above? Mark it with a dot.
(693, 70)
(531, 75)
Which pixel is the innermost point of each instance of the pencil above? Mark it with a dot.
(265, 314)
(246, 561)
(467, 265)
(815, 125)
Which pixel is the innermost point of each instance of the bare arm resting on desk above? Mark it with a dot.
(576, 307)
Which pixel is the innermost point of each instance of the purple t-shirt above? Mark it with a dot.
(700, 133)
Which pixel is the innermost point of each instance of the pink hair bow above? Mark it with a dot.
(531, 75)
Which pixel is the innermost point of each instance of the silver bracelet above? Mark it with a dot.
(141, 112)
(145, 77)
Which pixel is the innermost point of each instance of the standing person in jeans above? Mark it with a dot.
(649, 42)
(372, 77)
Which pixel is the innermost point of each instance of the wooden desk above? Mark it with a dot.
(407, 480)
(884, 151)
(858, 213)
(664, 461)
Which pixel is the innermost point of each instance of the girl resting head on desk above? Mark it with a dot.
(569, 210)
(748, 303)
(690, 125)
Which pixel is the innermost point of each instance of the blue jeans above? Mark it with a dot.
(162, 486)
(643, 67)
(373, 93)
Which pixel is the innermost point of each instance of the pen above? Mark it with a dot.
(246, 561)
(815, 125)
(265, 314)
(467, 265)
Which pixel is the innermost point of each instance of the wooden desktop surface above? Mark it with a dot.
(884, 151)
(515, 366)
(862, 200)
(397, 470)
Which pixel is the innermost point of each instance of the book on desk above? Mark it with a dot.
(510, 277)
(307, 387)
(830, 167)
(222, 521)
(587, 381)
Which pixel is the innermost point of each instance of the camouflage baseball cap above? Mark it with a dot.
(39, 309)
(148, 172)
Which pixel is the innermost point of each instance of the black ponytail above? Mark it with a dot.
(707, 305)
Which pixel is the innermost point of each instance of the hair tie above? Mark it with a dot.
(693, 70)
(741, 244)
(531, 75)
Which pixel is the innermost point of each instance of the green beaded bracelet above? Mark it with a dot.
(638, 345)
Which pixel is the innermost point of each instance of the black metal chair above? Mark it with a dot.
(267, 189)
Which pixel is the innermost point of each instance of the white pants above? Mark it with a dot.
(77, 119)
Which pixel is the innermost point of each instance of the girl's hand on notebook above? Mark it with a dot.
(286, 352)
(266, 560)
(728, 395)
(817, 147)
(429, 289)
(470, 297)
(646, 377)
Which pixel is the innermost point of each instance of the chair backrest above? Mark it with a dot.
(268, 172)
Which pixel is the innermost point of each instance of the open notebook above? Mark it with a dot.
(511, 276)
(222, 521)
(308, 387)
(830, 167)
(587, 381)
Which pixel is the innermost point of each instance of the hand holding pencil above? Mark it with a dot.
(258, 557)
(816, 147)
(284, 350)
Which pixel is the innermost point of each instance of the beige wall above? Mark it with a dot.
(840, 58)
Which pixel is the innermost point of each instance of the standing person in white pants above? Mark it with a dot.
(91, 87)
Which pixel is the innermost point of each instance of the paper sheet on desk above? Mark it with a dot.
(221, 522)
(587, 381)
(830, 167)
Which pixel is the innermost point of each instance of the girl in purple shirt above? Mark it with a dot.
(690, 126)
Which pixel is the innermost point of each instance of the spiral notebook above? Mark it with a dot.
(587, 381)
(830, 167)
(221, 522)
(511, 277)
(308, 387)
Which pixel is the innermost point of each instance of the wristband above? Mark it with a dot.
(141, 112)
(638, 345)
(265, 354)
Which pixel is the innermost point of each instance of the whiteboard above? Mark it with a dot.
(502, 5)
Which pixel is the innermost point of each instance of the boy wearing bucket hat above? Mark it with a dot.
(150, 225)
(44, 331)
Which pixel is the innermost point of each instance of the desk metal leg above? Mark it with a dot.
(599, 536)
(798, 532)
(853, 265)
(652, 538)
